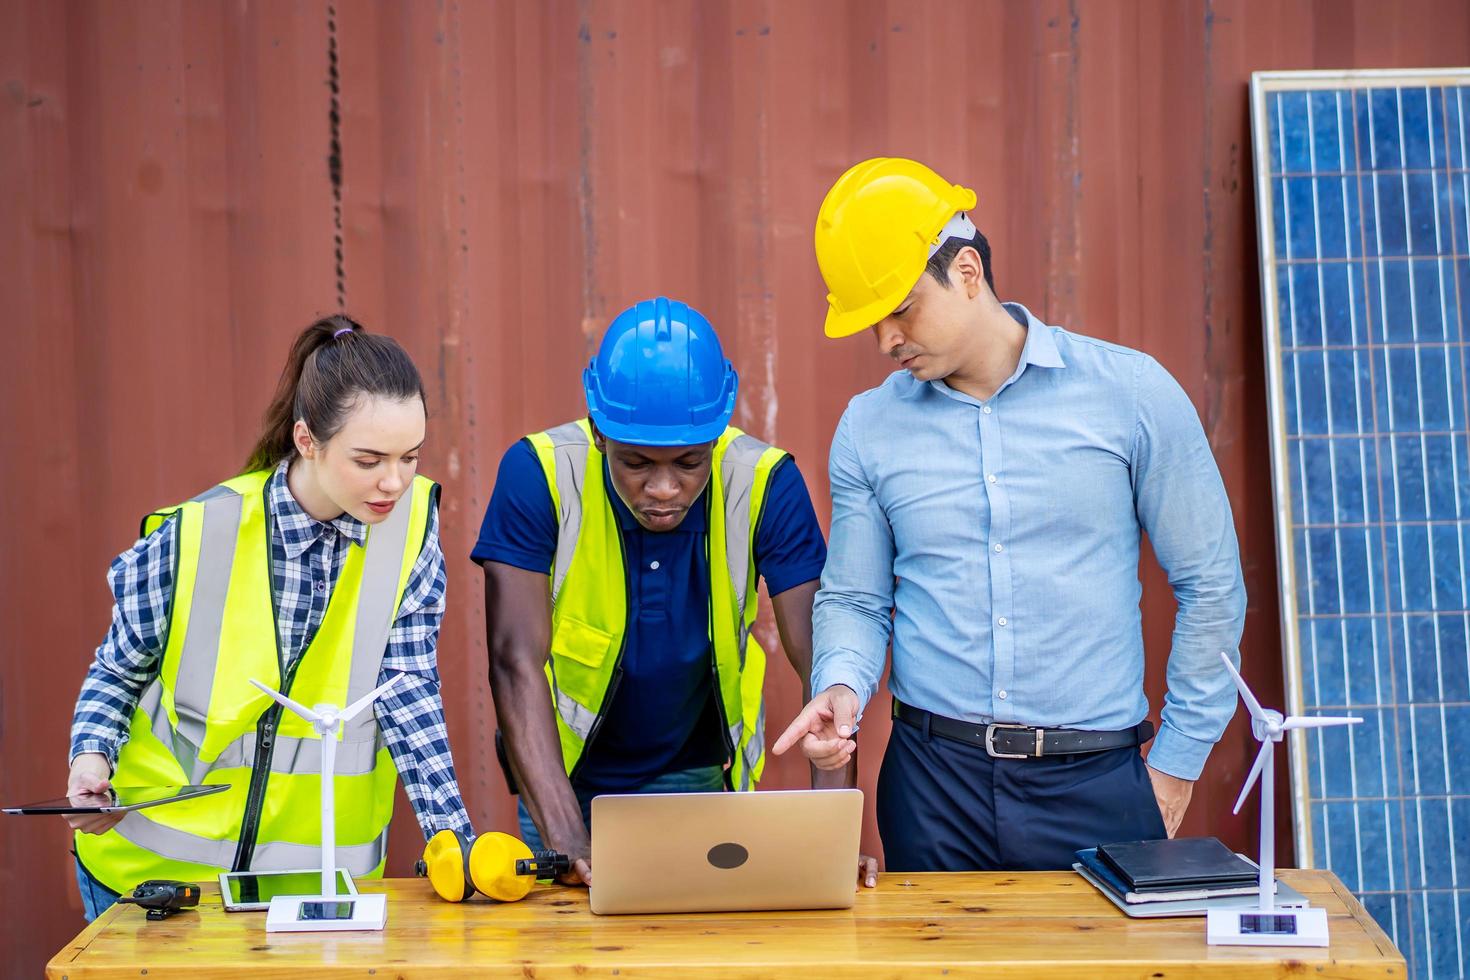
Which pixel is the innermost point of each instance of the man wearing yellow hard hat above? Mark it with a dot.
(987, 504)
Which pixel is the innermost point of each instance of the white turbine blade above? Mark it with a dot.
(295, 706)
(368, 698)
(1318, 721)
(1251, 703)
(1250, 780)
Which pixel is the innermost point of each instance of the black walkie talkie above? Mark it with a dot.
(163, 898)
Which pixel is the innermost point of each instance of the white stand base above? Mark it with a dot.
(1266, 927)
(335, 913)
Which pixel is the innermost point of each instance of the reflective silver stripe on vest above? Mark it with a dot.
(291, 755)
(569, 443)
(179, 845)
(382, 564)
(753, 750)
(577, 717)
(200, 652)
(737, 473)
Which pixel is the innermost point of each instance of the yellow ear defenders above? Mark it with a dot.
(498, 865)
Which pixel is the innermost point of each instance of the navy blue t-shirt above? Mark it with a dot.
(663, 716)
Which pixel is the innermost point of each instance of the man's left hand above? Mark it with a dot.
(1173, 795)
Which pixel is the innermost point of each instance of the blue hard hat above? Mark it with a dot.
(660, 378)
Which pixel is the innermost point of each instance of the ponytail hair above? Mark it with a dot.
(333, 363)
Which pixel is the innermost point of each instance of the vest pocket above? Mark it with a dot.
(580, 642)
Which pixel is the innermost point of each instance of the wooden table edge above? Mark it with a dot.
(1369, 924)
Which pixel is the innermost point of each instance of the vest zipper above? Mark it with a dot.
(265, 747)
(714, 657)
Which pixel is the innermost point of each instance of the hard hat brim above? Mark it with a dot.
(662, 436)
(840, 325)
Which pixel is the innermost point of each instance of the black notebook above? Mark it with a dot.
(1184, 862)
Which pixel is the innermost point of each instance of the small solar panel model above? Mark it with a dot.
(1364, 231)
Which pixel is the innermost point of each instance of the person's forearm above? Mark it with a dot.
(851, 644)
(411, 719)
(844, 778)
(528, 727)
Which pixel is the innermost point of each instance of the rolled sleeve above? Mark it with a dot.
(520, 527)
(1182, 505)
(852, 616)
(789, 548)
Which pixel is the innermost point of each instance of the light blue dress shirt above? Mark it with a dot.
(996, 544)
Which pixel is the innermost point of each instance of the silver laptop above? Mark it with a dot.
(725, 852)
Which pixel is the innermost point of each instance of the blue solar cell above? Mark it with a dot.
(1382, 118)
(1456, 231)
(1389, 290)
(1291, 123)
(1338, 225)
(1433, 298)
(1301, 221)
(1441, 457)
(1422, 201)
(1328, 122)
(1338, 292)
(1305, 311)
(1410, 587)
(1385, 229)
(1365, 639)
(1446, 940)
(1454, 643)
(1414, 119)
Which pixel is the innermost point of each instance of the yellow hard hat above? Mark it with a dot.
(876, 230)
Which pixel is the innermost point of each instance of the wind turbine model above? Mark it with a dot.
(328, 912)
(1267, 925)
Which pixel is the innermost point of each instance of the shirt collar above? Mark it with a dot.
(298, 529)
(1040, 350)
(694, 522)
(1041, 342)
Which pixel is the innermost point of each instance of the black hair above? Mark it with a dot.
(939, 262)
(332, 362)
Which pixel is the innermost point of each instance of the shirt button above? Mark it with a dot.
(320, 586)
(986, 410)
(999, 548)
(1002, 621)
(653, 565)
(990, 477)
(1001, 695)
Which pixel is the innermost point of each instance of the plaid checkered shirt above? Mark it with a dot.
(306, 558)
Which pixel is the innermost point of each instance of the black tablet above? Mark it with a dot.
(120, 799)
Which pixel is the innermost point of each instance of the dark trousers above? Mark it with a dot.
(948, 806)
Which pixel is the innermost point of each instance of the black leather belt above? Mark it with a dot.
(1005, 741)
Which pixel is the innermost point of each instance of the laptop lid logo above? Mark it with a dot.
(728, 855)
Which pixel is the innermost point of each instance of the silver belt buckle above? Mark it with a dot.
(990, 743)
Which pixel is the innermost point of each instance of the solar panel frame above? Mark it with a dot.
(1278, 186)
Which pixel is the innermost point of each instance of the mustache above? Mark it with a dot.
(901, 353)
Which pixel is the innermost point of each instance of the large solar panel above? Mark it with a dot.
(1365, 258)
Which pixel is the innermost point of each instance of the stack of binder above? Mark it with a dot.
(1183, 876)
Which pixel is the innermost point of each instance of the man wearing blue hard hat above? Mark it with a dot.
(622, 554)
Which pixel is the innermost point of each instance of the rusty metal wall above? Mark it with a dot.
(183, 185)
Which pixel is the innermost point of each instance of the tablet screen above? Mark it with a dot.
(117, 799)
(255, 889)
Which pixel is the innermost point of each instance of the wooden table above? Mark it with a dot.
(1050, 924)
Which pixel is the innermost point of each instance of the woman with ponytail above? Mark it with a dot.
(316, 571)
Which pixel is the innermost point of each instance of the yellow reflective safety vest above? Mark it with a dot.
(589, 591)
(201, 721)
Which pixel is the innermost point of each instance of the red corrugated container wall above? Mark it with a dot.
(512, 175)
